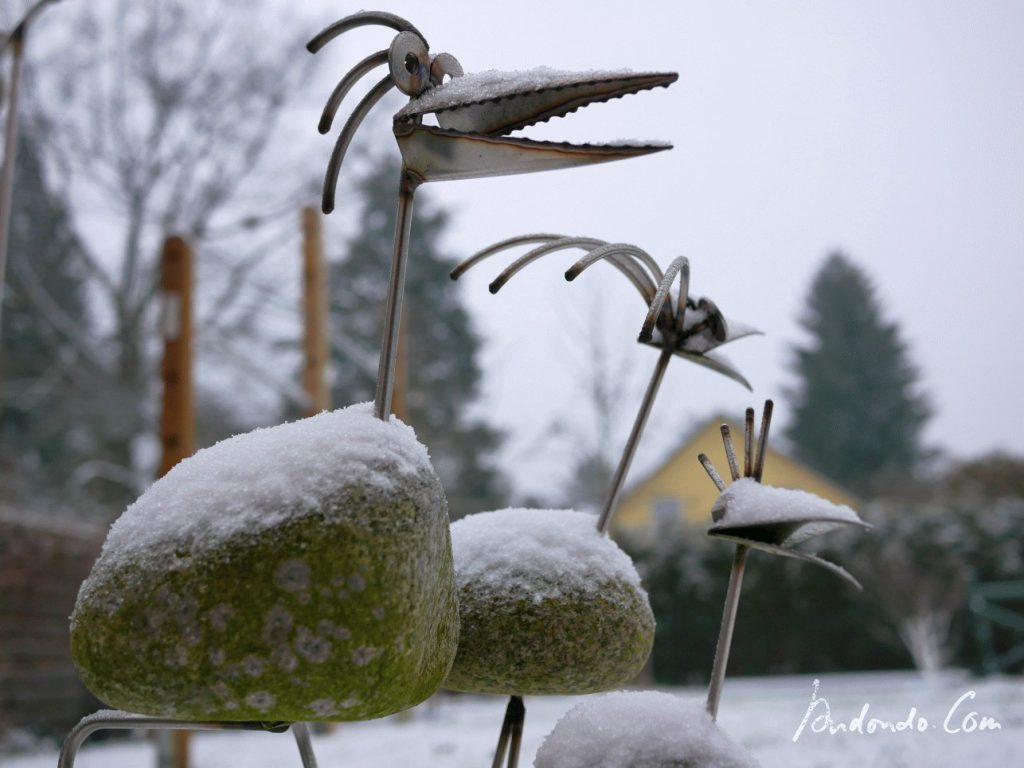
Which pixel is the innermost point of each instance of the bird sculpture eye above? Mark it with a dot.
(444, 64)
(409, 62)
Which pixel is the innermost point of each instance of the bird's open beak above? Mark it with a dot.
(476, 112)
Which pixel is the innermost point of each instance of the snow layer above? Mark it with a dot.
(496, 84)
(547, 605)
(748, 502)
(545, 552)
(760, 713)
(639, 729)
(251, 482)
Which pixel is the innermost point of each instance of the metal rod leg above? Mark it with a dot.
(305, 744)
(634, 440)
(732, 599)
(518, 718)
(115, 720)
(396, 292)
(506, 727)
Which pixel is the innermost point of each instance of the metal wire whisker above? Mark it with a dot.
(631, 261)
(681, 267)
(361, 19)
(345, 138)
(364, 67)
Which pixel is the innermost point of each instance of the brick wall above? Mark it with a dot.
(42, 563)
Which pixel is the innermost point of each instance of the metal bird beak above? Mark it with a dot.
(690, 329)
(771, 519)
(475, 113)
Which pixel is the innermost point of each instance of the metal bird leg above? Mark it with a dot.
(110, 720)
(511, 733)
(396, 292)
(725, 631)
(619, 478)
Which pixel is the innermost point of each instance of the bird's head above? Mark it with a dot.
(475, 113)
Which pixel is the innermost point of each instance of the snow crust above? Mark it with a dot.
(495, 84)
(254, 481)
(639, 729)
(748, 502)
(550, 552)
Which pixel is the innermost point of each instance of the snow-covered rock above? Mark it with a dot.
(301, 572)
(547, 605)
(639, 729)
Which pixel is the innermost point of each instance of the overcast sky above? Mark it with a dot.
(894, 131)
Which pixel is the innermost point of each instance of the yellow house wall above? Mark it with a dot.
(683, 478)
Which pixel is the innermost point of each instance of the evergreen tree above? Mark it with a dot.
(857, 411)
(45, 369)
(439, 344)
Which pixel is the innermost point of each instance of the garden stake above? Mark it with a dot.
(776, 533)
(506, 727)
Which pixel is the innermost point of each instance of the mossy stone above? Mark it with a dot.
(539, 632)
(340, 610)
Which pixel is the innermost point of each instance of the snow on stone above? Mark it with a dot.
(495, 84)
(549, 551)
(252, 481)
(639, 729)
(748, 502)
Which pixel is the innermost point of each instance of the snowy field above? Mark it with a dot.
(763, 714)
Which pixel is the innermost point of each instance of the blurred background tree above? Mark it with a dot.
(48, 400)
(857, 413)
(155, 116)
(439, 343)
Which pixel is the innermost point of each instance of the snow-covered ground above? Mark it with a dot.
(763, 714)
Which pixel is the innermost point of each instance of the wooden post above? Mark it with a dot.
(315, 314)
(177, 415)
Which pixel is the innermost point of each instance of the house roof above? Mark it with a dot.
(680, 479)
